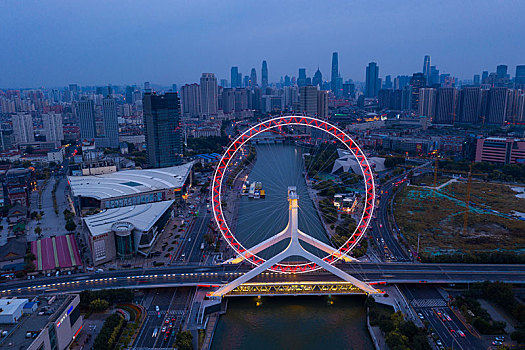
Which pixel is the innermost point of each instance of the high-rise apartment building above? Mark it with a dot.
(308, 100)
(335, 72)
(426, 69)
(191, 100)
(322, 104)
(427, 102)
(109, 113)
(53, 128)
(372, 80)
(496, 106)
(23, 128)
(162, 129)
(470, 105)
(209, 95)
(264, 75)
(85, 110)
(446, 101)
(519, 79)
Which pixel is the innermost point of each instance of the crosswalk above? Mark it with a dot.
(169, 313)
(428, 303)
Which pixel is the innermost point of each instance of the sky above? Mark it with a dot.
(53, 43)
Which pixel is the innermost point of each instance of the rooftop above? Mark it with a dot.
(142, 216)
(58, 252)
(129, 182)
(9, 306)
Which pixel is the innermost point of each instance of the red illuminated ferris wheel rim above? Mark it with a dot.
(220, 174)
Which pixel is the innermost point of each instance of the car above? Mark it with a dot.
(158, 314)
(500, 338)
(497, 342)
(447, 317)
(166, 321)
(420, 315)
(460, 332)
(173, 319)
(166, 337)
(163, 329)
(439, 343)
(157, 308)
(452, 330)
(155, 332)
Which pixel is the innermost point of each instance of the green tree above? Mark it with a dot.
(98, 305)
(184, 340)
(38, 230)
(71, 226)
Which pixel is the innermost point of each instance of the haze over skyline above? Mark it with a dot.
(55, 43)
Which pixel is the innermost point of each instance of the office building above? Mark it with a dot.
(388, 82)
(253, 78)
(318, 79)
(85, 110)
(301, 79)
(372, 80)
(53, 129)
(264, 75)
(23, 128)
(416, 82)
(109, 112)
(322, 104)
(427, 102)
(162, 129)
(496, 106)
(191, 100)
(501, 71)
(335, 72)
(500, 150)
(209, 95)
(434, 76)
(235, 81)
(426, 69)
(446, 101)
(519, 79)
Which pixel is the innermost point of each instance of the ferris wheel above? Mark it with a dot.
(228, 168)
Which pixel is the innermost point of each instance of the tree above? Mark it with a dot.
(98, 305)
(71, 226)
(38, 230)
(184, 340)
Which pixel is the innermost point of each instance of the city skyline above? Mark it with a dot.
(137, 40)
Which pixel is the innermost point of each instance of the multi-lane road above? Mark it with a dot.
(192, 275)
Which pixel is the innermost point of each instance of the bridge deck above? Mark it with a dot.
(295, 288)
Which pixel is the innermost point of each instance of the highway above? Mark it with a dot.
(193, 275)
(190, 251)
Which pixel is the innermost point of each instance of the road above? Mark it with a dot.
(190, 251)
(429, 302)
(193, 275)
(173, 304)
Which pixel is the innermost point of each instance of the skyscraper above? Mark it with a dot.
(253, 78)
(476, 80)
(191, 100)
(484, 76)
(434, 76)
(209, 98)
(308, 100)
(426, 69)
(53, 129)
(264, 75)
(501, 71)
(301, 80)
(109, 112)
(335, 71)
(235, 82)
(372, 80)
(427, 102)
(496, 106)
(23, 128)
(322, 104)
(162, 129)
(446, 105)
(318, 78)
(520, 76)
(416, 82)
(470, 105)
(86, 115)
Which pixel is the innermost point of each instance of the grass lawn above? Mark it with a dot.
(439, 219)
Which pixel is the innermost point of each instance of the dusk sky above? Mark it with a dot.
(54, 43)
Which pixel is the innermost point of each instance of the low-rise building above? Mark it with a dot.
(500, 150)
(123, 232)
(11, 310)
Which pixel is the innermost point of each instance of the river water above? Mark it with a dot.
(302, 322)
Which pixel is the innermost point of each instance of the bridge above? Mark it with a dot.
(213, 277)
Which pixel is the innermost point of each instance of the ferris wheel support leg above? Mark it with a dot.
(340, 273)
(251, 274)
(324, 247)
(261, 246)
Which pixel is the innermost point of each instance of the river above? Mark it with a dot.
(302, 322)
